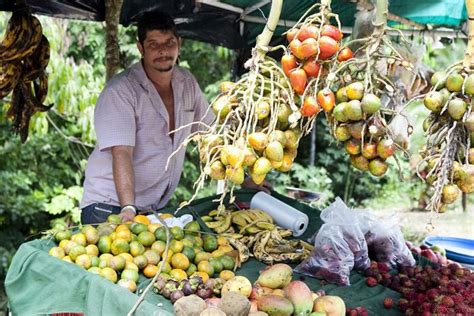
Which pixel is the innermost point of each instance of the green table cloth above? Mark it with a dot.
(37, 283)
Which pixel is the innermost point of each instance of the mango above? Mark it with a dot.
(275, 305)
(276, 276)
(331, 305)
(238, 284)
(300, 296)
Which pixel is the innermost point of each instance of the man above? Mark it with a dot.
(133, 117)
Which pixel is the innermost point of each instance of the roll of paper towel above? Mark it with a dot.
(284, 215)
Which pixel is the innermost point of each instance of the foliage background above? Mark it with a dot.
(42, 179)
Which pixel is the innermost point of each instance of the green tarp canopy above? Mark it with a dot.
(37, 283)
(236, 23)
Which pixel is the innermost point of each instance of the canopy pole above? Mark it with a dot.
(112, 49)
(469, 56)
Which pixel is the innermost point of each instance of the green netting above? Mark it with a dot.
(37, 283)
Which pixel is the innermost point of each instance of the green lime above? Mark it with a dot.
(228, 262)
(191, 269)
(104, 244)
(216, 264)
(209, 243)
(189, 252)
(177, 232)
(114, 219)
(63, 234)
(160, 234)
(192, 227)
(137, 228)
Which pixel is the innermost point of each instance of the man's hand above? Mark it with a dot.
(265, 186)
(128, 213)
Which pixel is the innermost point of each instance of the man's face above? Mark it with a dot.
(160, 50)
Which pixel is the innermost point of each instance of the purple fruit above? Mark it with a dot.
(176, 295)
(187, 289)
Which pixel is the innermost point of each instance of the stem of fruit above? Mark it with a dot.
(443, 167)
(381, 14)
(469, 56)
(264, 38)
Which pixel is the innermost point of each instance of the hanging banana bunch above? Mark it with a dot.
(24, 56)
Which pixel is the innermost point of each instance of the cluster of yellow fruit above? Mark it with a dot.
(120, 251)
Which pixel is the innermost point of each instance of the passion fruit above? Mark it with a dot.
(235, 175)
(438, 79)
(216, 170)
(385, 148)
(258, 140)
(274, 151)
(355, 129)
(341, 95)
(450, 194)
(262, 166)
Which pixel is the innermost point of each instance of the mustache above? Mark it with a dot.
(165, 58)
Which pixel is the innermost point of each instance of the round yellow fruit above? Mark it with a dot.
(180, 261)
(57, 252)
(150, 271)
(238, 284)
(178, 274)
(226, 275)
(142, 219)
(92, 250)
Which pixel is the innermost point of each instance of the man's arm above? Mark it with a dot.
(124, 178)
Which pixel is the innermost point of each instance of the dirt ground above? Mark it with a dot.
(453, 223)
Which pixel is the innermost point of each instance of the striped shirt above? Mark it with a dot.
(130, 112)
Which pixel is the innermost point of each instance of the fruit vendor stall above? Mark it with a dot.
(247, 253)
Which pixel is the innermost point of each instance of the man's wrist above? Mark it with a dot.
(129, 207)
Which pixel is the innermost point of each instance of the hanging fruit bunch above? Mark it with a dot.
(24, 56)
(254, 127)
(313, 47)
(359, 119)
(449, 153)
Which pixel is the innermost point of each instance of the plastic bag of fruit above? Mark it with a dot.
(339, 246)
(385, 240)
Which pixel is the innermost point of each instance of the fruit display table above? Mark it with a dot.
(38, 283)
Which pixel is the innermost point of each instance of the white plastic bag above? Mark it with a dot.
(386, 243)
(339, 246)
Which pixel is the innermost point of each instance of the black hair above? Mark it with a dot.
(155, 20)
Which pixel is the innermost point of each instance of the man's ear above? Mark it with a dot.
(140, 48)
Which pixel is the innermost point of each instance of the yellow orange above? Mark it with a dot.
(124, 234)
(226, 275)
(153, 227)
(204, 276)
(180, 261)
(205, 266)
(170, 255)
(122, 227)
(178, 274)
(141, 219)
(150, 271)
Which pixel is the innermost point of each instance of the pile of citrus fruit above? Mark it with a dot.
(121, 252)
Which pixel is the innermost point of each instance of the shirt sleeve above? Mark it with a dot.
(114, 117)
(202, 112)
